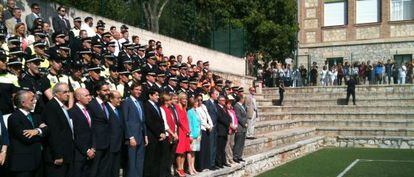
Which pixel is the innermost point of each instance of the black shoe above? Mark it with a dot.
(242, 160)
(227, 165)
(220, 166)
(236, 160)
(215, 168)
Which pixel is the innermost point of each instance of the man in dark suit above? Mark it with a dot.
(350, 90)
(212, 111)
(82, 127)
(156, 135)
(4, 142)
(223, 123)
(100, 129)
(240, 136)
(116, 131)
(26, 134)
(35, 8)
(60, 22)
(59, 148)
(135, 131)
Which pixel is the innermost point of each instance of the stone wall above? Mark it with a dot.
(334, 35)
(218, 61)
(365, 52)
(402, 30)
(371, 142)
(368, 32)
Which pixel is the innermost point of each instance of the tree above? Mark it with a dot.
(152, 11)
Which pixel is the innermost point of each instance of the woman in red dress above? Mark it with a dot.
(183, 133)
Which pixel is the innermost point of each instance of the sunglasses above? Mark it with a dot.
(36, 63)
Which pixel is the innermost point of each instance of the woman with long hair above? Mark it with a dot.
(203, 160)
(20, 32)
(232, 131)
(195, 132)
(183, 146)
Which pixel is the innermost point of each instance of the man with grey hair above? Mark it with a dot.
(58, 150)
(26, 135)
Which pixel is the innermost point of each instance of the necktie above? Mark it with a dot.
(88, 119)
(18, 20)
(68, 118)
(30, 118)
(104, 109)
(139, 109)
(116, 112)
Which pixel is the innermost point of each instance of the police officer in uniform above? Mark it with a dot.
(55, 72)
(76, 79)
(172, 85)
(136, 76)
(93, 78)
(148, 85)
(31, 80)
(8, 86)
(159, 83)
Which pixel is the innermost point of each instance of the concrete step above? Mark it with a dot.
(272, 126)
(397, 142)
(336, 89)
(269, 116)
(329, 102)
(335, 96)
(277, 156)
(270, 140)
(364, 131)
(336, 108)
(394, 123)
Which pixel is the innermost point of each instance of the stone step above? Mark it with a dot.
(269, 116)
(336, 108)
(394, 123)
(335, 96)
(277, 156)
(333, 89)
(272, 126)
(396, 142)
(270, 140)
(329, 102)
(364, 131)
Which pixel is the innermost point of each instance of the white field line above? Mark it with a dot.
(348, 168)
(369, 160)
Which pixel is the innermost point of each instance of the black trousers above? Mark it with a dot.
(152, 160)
(100, 164)
(114, 163)
(348, 93)
(82, 168)
(166, 161)
(281, 97)
(64, 170)
(221, 150)
(238, 148)
(203, 160)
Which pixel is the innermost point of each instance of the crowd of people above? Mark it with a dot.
(337, 74)
(84, 101)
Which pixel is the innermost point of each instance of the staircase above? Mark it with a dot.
(315, 117)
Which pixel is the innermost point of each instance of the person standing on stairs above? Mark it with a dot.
(251, 107)
(281, 92)
(351, 83)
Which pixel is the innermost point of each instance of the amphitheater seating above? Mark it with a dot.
(316, 117)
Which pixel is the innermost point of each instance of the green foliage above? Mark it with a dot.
(270, 25)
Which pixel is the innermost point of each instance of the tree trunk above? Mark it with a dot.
(153, 12)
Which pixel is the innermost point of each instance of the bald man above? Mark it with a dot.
(116, 135)
(82, 127)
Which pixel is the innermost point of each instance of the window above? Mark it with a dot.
(402, 10)
(335, 12)
(367, 11)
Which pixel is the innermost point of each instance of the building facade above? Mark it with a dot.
(338, 31)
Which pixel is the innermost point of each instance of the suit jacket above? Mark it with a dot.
(59, 142)
(83, 138)
(30, 19)
(10, 23)
(250, 106)
(24, 154)
(134, 125)
(212, 111)
(223, 121)
(241, 115)
(60, 26)
(116, 130)
(4, 138)
(153, 122)
(100, 125)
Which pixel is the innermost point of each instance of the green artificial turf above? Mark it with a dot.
(330, 162)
